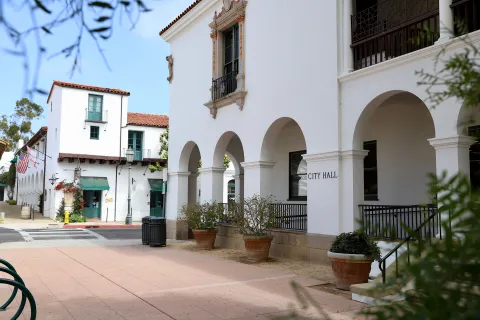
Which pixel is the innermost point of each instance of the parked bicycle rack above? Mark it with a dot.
(17, 284)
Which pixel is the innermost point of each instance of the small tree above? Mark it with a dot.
(78, 201)
(11, 176)
(61, 210)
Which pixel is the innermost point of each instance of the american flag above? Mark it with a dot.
(22, 163)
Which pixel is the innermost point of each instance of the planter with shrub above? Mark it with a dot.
(202, 219)
(352, 255)
(12, 202)
(254, 218)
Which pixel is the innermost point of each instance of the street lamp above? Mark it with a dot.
(53, 179)
(129, 154)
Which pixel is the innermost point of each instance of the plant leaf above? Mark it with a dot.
(100, 4)
(42, 7)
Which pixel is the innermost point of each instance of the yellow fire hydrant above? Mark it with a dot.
(67, 217)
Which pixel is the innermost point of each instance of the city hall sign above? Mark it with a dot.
(322, 175)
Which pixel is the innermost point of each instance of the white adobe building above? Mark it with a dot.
(316, 103)
(89, 130)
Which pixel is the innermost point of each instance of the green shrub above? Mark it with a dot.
(254, 216)
(61, 211)
(40, 202)
(356, 243)
(77, 218)
(12, 202)
(200, 217)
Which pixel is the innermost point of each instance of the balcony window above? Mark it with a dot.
(391, 28)
(135, 141)
(95, 107)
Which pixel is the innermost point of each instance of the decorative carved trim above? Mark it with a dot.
(237, 97)
(170, 68)
(225, 18)
(258, 164)
(451, 142)
(324, 156)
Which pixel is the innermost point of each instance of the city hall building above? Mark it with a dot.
(317, 104)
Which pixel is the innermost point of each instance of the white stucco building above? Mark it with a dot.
(316, 103)
(89, 129)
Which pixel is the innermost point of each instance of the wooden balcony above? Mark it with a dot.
(393, 28)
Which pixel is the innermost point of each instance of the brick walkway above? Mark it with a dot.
(138, 282)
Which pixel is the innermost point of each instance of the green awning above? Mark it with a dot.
(94, 183)
(155, 184)
(3, 185)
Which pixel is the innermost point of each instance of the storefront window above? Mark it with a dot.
(298, 176)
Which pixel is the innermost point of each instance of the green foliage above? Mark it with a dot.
(75, 217)
(254, 216)
(61, 211)
(77, 202)
(3, 177)
(12, 202)
(447, 275)
(164, 144)
(200, 216)
(12, 171)
(19, 125)
(40, 202)
(356, 243)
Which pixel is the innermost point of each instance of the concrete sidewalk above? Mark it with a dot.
(138, 282)
(13, 220)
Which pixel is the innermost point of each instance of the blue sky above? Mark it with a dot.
(136, 58)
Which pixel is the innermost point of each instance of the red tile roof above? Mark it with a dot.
(147, 120)
(85, 87)
(193, 5)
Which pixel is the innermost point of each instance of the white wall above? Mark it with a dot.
(75, 135)
(151, 139)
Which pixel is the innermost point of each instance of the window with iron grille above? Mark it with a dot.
(370, 171)
(94, 133)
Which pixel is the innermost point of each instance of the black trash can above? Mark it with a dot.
(146, 230)
(158, 232)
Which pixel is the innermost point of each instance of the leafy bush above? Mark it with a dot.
(200, 217)
(255, 217)
(356, 243)
(61, 211)
(40, 202)
(12, 202)
(77, 218)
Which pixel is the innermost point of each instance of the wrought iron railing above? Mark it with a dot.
(393, 28)
(91, 116)
(466, 14)
(412, 237)
(139, 154)
(287, 216)
(393, 222)
(224, 85)
(18, 284)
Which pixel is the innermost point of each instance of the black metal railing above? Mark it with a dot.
(466, 14)
(390, 222)
(224, 85)
(412, 237)
(287, 216)
(393, 28)
(290, 216)
(18, 284)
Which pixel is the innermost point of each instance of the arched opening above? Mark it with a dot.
(282, 152)
(228, 155)
(394, 128)
(190, 161)
(468, 124)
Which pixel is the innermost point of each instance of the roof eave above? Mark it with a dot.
(173, 31)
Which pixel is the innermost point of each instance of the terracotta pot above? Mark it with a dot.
(257, 247)
(205, 239)
(350, 269)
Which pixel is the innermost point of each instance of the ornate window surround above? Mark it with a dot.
(233, 12)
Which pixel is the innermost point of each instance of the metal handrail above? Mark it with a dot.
(383, 261)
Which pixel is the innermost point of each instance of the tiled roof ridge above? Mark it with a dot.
(148, 119)
(66, 84)
(190, 7)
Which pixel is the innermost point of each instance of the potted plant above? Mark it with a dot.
(254, 218)
(202, 219)
(352, 255)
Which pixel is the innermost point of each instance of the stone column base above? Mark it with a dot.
(177, 230)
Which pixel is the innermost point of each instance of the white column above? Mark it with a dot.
(177, 193)
(211, 181)
(351, 190)
(452, 154)
(323, 187)
(238, 187)
(258, 178)
(347, 37)
(446, 20)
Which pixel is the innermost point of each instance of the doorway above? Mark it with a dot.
(92, 207)
(156, 204)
